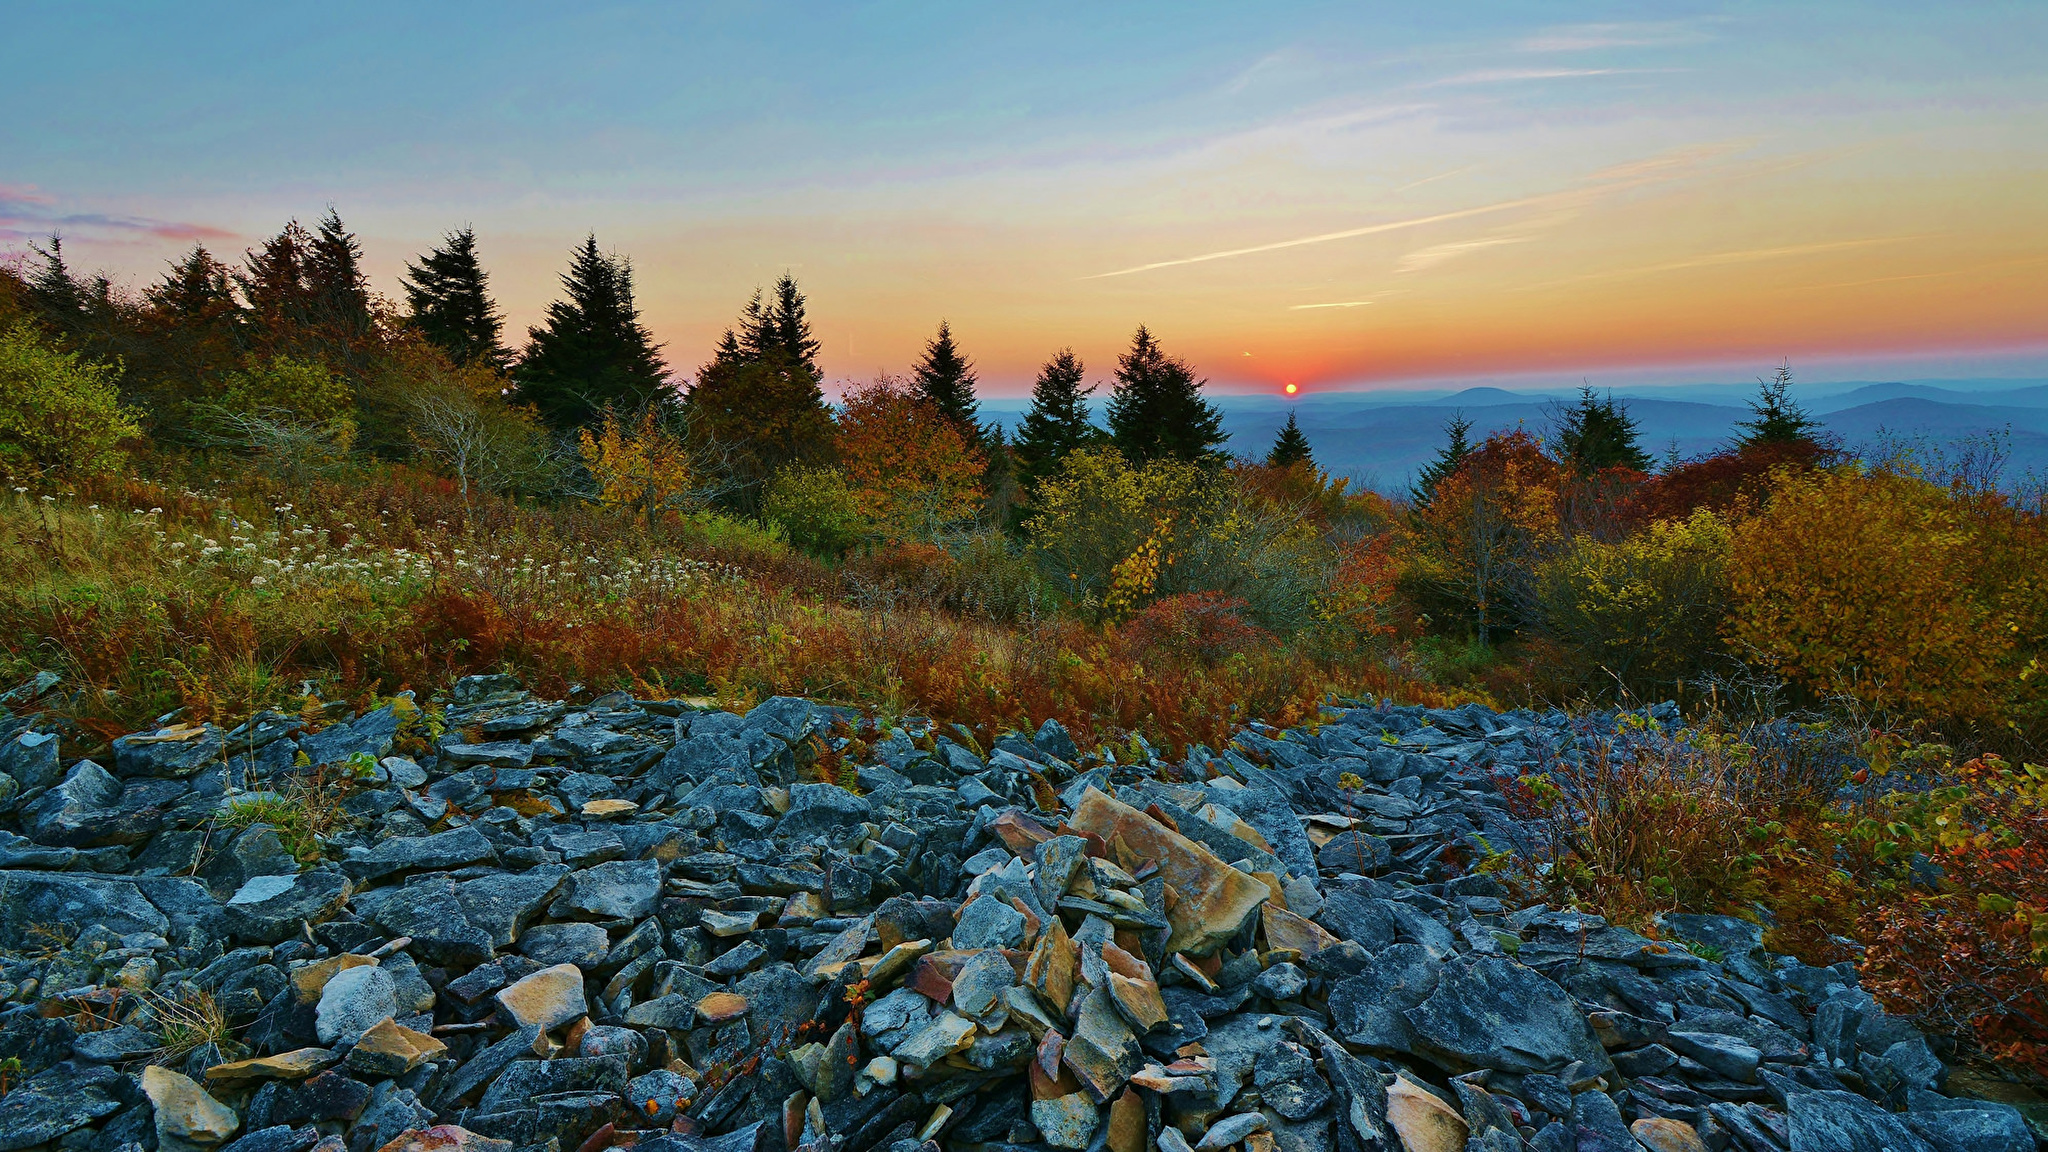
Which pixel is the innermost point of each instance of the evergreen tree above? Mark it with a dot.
(1457, 446)
(1779, 419)
(1597, 434)
(1290, 447)
(757, 406)
(337, 291)
(447, 298)
(273, 281)
(51, 287)
(1057, 421)
(1156, 407)
(946, 379)
(196, 289)
(593, 353)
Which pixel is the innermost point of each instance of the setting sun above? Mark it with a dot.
(1293, 388)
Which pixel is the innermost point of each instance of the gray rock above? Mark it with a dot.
(503, 905)
(270, 908)
(987, 922)
(1597, 1125)
(1490, 1012)
(1833, 1121)
(55, 1102)
(815, 809)
(34, 900)
(353, 1001)
(455, 848)
(1973, 1126)
(1370, 1008)
(1281, 982)
(80, 812)
(579, 943)
(1286, 1076)
(153, 754)
(618, 890)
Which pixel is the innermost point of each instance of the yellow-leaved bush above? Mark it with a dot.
(1646, 610)
(1862, 585)
(638, 464)
(59, 413)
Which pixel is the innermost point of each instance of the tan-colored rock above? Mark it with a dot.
(1663, 1134)
(186, 1117)
(548, 998)
(294, 1065)
(444, 1138)
(802, 908)
(1261, 1141)
(605, 809)
(391, 1049)
(894, 963)
(1424, 1122)
(726, 925)
(309, 980)
(720, 1007)
(1213, 900)
(1051, 970)
(1140, 1002)
(1127, 1123)
(1286, 931)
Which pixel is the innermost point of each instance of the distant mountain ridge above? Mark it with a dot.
(1382, 439)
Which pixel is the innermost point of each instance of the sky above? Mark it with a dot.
(1330, 196)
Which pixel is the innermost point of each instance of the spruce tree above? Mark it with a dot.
(757, 406)
(593, 353)
(1057, 421)
(946, 378)
(1597, 434)
(337, 291)
(196, 289)
(1779, 419)
(1457, 446)
(448, 301)
(1290, 447)
(56, 294)
(1156, 407)
(273, 281)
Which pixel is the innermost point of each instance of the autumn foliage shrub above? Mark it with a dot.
(910, 472)
(1199, 626)
(59, 413)
(1646, 610)
(1862, 586)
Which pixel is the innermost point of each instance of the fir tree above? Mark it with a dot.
(1290, 447)
(1779, 419)
(1156, 407)
(1457, 446)
(593, 353)
(1057, 421)
(446, 295)
(52, 288)
(196, 289)
(1597, 434)
(772, 329)
(946, 378)
(273, 281)
(757, 406)
(337, 292)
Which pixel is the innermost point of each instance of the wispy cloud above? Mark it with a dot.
(27, 213)
(1334, 304)
(1590, 37)
(1526, 75)
(1430, 257)
(1738, 256)
(1651, 170)
(1437, 177)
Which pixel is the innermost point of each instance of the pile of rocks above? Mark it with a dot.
(628, 922)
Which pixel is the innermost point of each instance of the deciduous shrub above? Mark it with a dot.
(1861, 585)
(1646, 610)
(1204, 627)
(59, 413)
(816, 509)
(637, 462)
(1488, 522)
(911, 473)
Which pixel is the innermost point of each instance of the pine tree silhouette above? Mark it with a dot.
(447, 296)
(1057, 421)
(1290, 447)
(593, 353)
(1156, 407)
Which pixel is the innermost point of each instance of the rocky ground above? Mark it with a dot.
(621, 922)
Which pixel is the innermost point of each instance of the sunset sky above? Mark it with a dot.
(1334, 195)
